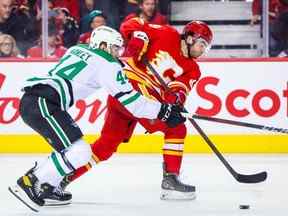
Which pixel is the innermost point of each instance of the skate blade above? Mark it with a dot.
(23, 197)
(176, 195)
(50, 202)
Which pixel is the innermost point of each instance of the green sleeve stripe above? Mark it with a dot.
(131, 99)
(36, 79)
(57, 164)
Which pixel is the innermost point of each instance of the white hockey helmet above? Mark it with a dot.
(105, 34)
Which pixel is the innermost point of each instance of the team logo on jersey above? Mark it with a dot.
(192, 82)
(163, 62)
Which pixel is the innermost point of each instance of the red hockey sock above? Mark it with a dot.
(172, 163)
(172, 154)
(79, 172)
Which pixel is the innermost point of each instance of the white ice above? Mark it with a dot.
(129, 185)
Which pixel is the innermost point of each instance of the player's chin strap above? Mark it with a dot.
(254, 178)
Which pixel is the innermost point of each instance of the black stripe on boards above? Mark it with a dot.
(244, 46)
(198, 0)
(120, 94)
(212, 22)
(70, 92)
(185, 0)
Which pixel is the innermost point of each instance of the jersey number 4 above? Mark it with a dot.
(121, 78)
(68, 70)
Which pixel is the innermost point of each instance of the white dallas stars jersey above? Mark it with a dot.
(82, 70)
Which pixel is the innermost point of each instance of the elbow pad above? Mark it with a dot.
(137, 46)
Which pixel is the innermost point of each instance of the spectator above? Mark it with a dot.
(8, 47)
(164, 7)
(30, 7)
(52, 13)
(86, 6)
(50, 5)
(283, 6)
(114, 9)
(67, 27)
(5, 10)
(278, 45)
(275, 8)
(131, 7)
(95, 19)
(111, 7)
(86, 20)
(148, 12)
(71, 5)
(20, 23)
(54, 49)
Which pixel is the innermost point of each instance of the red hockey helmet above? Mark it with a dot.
(198, 29)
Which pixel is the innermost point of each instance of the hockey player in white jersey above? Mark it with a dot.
(82, 70)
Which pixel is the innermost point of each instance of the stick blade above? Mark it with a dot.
(252, 179)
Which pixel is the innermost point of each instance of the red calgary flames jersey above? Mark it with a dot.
(164, 54)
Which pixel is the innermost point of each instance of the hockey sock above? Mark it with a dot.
(58, 165)
(172, 155)
(79, 172)
(82, 170)
(52, 170)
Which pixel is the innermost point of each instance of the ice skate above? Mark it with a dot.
(57, 197)
(173, 189)
(28, 191)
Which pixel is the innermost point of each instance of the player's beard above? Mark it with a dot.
(184, 48)
(195, 54)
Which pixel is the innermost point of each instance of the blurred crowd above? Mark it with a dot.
(278, 25)
(71, 22)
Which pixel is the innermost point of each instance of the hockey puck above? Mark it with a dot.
(244, 206)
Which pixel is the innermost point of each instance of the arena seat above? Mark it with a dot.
(230, 22)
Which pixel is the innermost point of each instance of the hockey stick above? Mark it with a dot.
(254, 178)
(237, 123)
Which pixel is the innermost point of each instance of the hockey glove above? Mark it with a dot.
(171, 115)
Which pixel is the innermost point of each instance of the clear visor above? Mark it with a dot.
(203, 43)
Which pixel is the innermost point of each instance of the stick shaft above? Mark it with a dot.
(237, 123)
(258, 177)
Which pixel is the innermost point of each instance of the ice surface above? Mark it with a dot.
(129, 185)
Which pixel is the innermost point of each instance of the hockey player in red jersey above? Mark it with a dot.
(172, 56)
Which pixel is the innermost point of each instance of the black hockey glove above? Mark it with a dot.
(171, 115)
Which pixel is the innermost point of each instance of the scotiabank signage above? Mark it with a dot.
(255, 92)
(254, 99)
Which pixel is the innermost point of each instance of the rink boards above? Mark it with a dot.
(244, 90)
